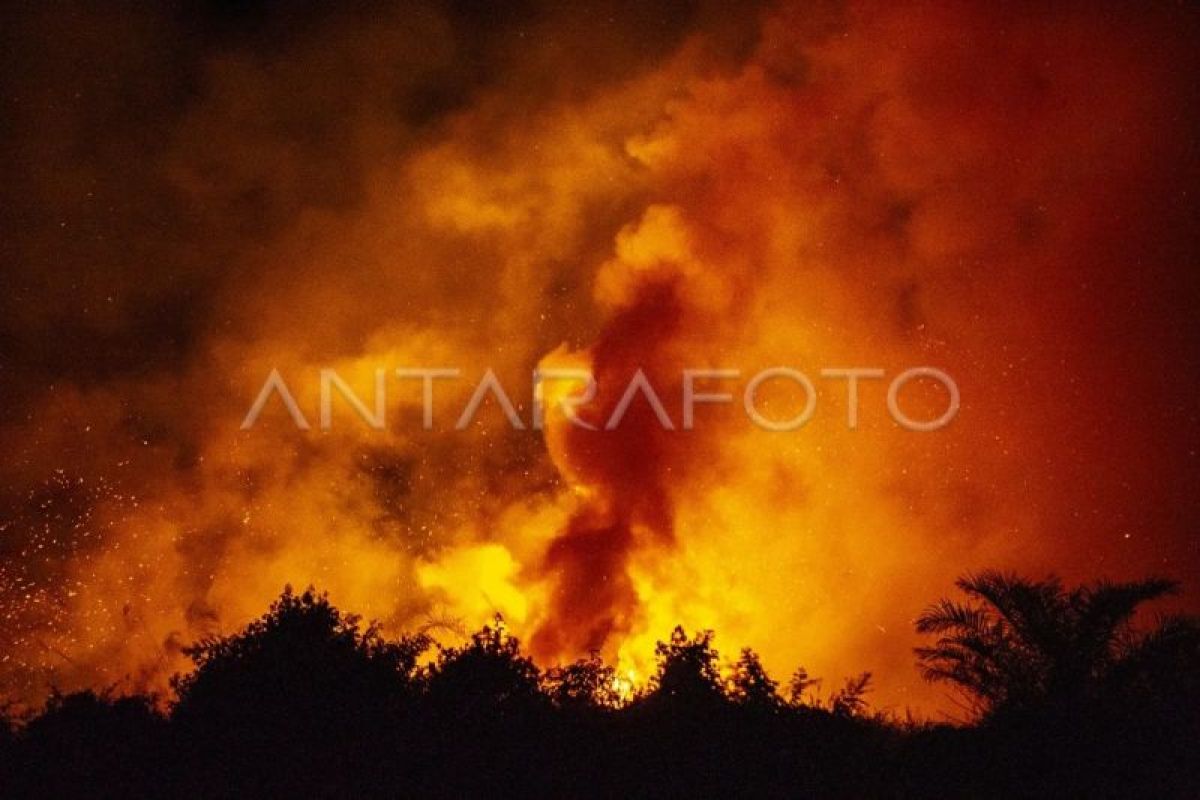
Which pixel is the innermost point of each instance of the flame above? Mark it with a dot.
(963, 186)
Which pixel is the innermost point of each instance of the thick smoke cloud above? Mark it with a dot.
(197, 196)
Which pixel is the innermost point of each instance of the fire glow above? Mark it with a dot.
(1005, 192)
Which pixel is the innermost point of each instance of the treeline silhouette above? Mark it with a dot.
(1065, 697)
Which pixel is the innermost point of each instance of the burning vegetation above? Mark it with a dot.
(198, 196)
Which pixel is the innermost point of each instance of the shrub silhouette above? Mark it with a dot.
(585, 685)
(487, 724)
(850, 700)
(688, 671)
(488, 676)
(800, 687)
(305, 701)
(750, 686)
(303, 655)
(304, 678)
(114, 746)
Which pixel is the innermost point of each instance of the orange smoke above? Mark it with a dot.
(1000, 193)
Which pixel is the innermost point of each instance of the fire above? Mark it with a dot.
(952, 185)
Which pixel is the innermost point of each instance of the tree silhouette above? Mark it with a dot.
(489, 675)
(305, 701)
(688, 670)
(1025, 643)
(87, 739)
(750, 686)
(303, 651)
(586, 684)
(305, 678)
(486, 725)
(799, 686)
(850, 700)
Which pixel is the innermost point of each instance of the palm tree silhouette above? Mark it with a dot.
(1024, 643)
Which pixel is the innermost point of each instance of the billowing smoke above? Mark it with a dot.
(195, 199)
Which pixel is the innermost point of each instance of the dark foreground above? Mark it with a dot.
(304, 702)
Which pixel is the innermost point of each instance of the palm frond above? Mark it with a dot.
(947, 615)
